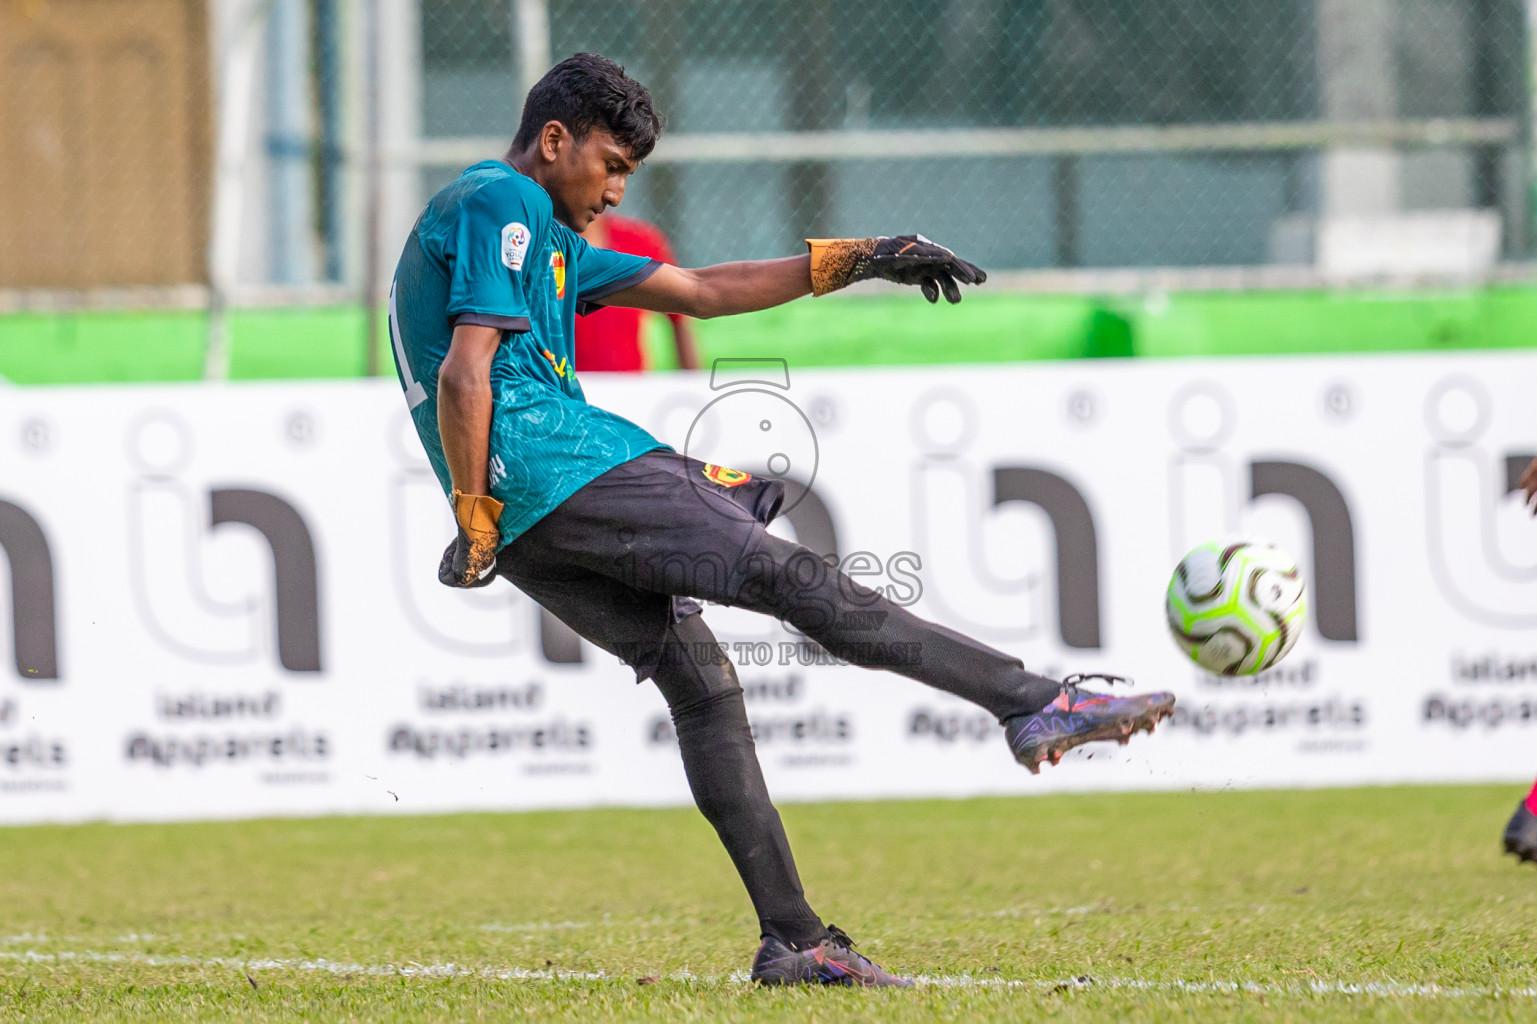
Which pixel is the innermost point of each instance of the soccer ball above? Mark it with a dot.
(1236, 605)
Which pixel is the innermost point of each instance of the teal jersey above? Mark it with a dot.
(487, 250)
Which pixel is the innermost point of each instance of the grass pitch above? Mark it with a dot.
(1387, 904)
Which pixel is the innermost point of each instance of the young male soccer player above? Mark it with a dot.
(1521, 830)
(613, 531)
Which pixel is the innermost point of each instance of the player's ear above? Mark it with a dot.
(550, 139)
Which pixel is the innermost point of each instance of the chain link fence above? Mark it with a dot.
(270, 142)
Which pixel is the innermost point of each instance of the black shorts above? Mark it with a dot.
(620, 559)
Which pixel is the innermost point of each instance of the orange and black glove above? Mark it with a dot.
(470, 560)
(906, 259)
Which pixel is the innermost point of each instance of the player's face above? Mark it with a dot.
(589, 178)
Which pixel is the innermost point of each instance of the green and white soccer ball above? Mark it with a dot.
(1236, 605)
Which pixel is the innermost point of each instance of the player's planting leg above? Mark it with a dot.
(722, 767)
(721, 762)
(675, 647)
(1043, 718)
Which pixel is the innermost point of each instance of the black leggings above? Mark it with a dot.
(607, 562)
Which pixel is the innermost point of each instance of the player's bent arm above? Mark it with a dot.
(721, 290)
(464, 426)
(464, 405)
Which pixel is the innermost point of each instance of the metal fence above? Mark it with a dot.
(1035, 133)
(1032, 134)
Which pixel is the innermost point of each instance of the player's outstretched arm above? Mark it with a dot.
(721, 290)
(464, 425)
(832, 263)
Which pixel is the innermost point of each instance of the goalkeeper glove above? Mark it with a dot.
(906, 259)
(471, 559)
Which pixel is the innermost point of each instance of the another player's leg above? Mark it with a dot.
(702, 692)
(1521, 831)
(1042, 718)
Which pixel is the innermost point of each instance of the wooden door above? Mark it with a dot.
(104, 143)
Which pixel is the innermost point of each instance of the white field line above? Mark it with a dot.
(1349, 988)
(947, 981)
(406, 970)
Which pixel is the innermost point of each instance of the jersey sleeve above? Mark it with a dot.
(496, 239)
(602, 272)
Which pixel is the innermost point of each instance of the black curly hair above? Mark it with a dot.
(587, 91)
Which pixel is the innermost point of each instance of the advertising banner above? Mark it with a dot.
(221, 601)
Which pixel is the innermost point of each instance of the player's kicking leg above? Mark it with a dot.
(1521, 831)
(1042, 718)
(659, 524)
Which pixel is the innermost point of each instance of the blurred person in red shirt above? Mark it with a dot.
(609, 338)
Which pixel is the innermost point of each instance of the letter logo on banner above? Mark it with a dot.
(1477, 534)
(965, 545)
(965, 551)
(172, 560)
(1077, 546)
(34, 631)
(1207, 496)
(1334, 540)
(295, 592)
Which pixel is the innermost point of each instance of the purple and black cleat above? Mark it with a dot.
(830, 962)
(1077, 717)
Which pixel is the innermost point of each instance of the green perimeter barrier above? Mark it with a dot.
(896, 329)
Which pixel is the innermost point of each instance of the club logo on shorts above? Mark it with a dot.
(515, 238)
(558, 265)
(723, 476)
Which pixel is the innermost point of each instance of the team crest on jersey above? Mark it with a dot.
(558, 265)
(515, 238)
(723, 476)
(558, 365)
